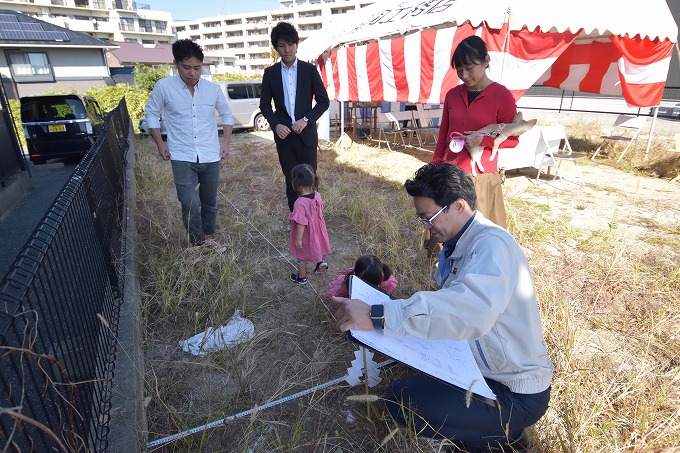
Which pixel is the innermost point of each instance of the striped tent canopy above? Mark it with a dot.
(401, 50)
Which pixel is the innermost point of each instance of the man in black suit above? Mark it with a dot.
(292, 84)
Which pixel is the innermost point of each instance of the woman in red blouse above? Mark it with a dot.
(474, 104)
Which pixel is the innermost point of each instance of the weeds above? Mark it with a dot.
(610, 308)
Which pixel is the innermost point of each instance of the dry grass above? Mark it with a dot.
(611, 312)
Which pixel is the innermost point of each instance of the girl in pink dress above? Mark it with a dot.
(370, 269)
(308, 235)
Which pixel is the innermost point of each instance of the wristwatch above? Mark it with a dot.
(304, 118)
(378, 316)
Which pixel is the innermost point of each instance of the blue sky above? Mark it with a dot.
(190, 10)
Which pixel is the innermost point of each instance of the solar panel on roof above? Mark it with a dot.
(34, 35)
(58, 35)
(20, 26)
(8, 18)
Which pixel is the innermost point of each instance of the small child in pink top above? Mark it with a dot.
(308, 234)
(370, 269)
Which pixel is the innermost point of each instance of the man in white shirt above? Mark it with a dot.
(187, 104)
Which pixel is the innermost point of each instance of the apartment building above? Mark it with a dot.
(111, 20)
(239, 43)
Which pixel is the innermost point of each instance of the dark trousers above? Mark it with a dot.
(437, 410)
(292, 151)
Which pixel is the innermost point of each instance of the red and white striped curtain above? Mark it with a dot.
(417, 67)
(633, 67)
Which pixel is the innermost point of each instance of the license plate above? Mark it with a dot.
(56, 127)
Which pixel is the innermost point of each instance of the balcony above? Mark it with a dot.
(129, 5)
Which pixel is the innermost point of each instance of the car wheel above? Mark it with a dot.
(261, 123)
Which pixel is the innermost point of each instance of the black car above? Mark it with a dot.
(60, 125)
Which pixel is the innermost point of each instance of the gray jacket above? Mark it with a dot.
(488, 299)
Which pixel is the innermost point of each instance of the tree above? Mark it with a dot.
(146, 77)
(227, 77)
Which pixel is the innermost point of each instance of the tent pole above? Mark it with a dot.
(651, 132)
(342, 125)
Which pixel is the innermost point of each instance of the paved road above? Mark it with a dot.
(17, 227)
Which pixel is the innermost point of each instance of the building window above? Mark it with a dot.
(193, 27)
(238, 45)
(161, 26)
(310, 13)
(179, 29)
(130, 40)
(123, 4)
(256, 20)
(145, 25)
(234, 33)
(30, 67)
(127, 24)
(148, 41)
(310, 27)
(233, 22)
(341, 10)
(99, 4)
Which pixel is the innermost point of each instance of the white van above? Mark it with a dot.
(243, 97)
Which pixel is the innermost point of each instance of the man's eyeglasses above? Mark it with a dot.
(428, 223)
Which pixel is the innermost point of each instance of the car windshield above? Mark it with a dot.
(52, 109)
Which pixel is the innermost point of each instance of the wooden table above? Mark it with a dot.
(363, 119)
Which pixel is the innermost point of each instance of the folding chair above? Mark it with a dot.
(389, 126)
(626, 128)
(426, 126)
(555, 153)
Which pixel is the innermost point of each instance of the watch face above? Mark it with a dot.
(377, 311)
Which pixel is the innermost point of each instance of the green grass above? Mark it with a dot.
(610, 310)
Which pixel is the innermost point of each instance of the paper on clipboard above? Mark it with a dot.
(448, 360)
